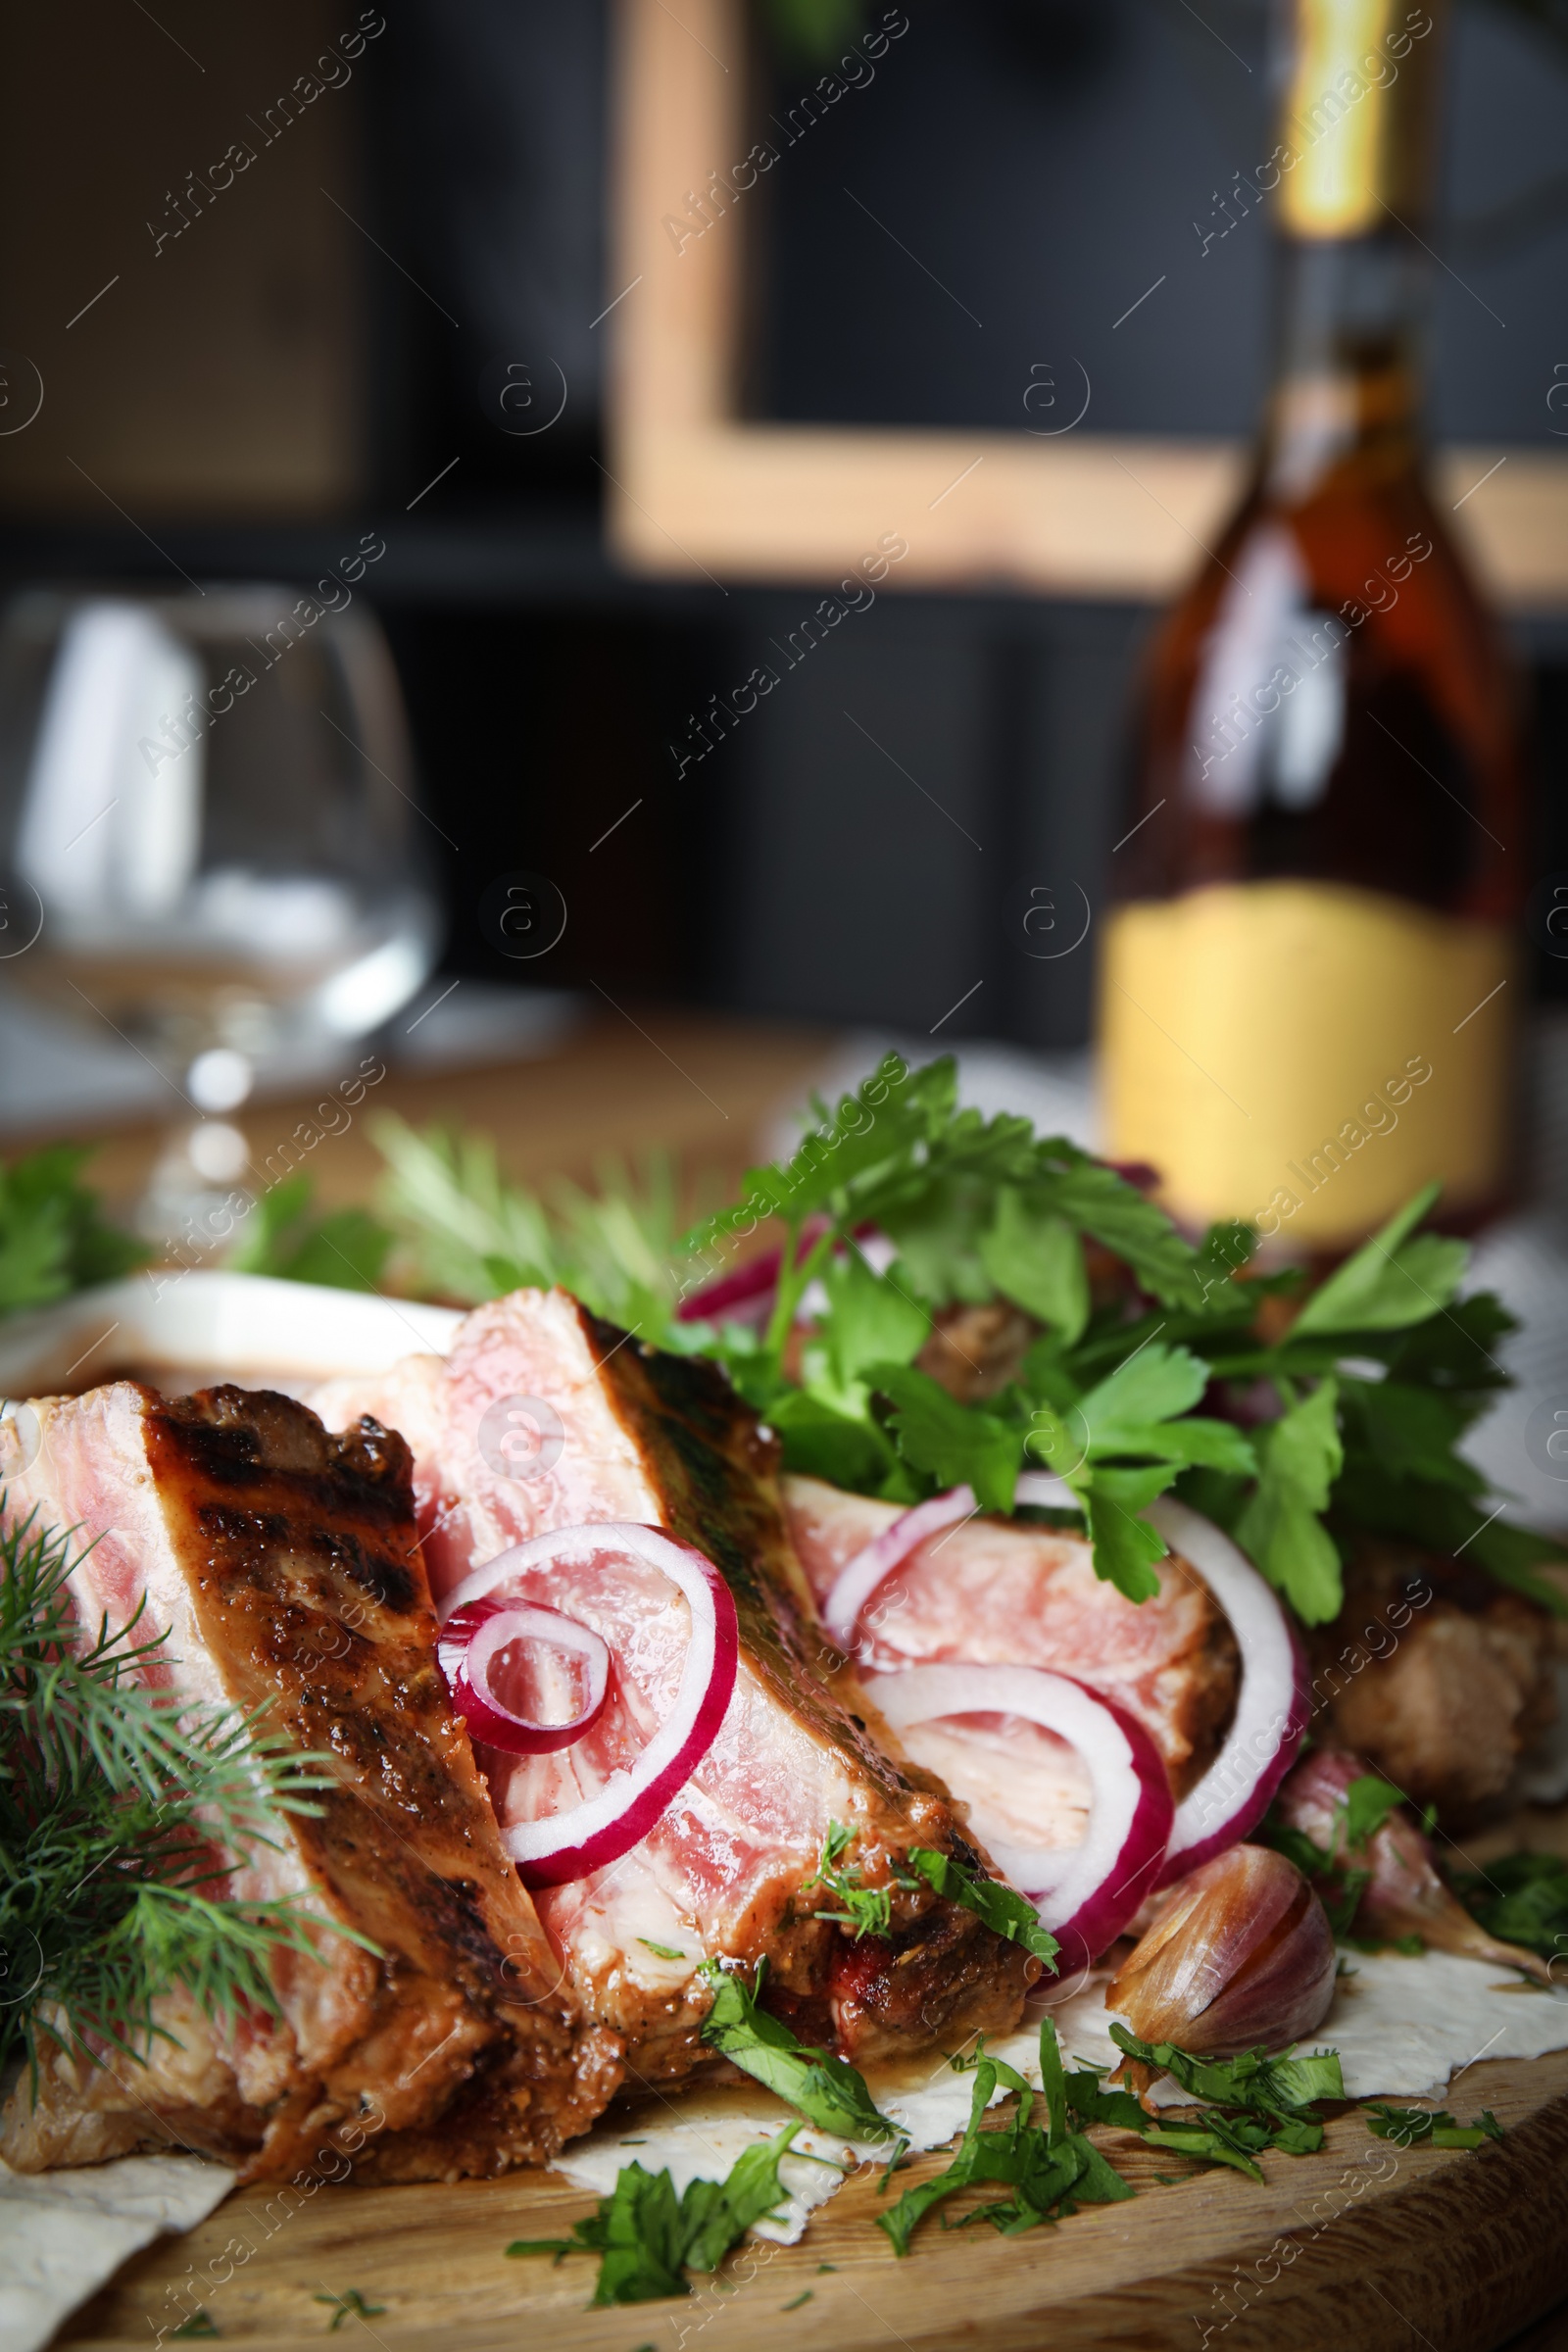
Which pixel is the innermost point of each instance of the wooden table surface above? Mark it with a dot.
(697, 1087)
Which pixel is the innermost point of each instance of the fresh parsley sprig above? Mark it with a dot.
(1521, 1898)
(54, 1238)
(1050, 2170)
(1155, 1362)
(647, 2239)
(826, 2091)
(119, 1815)
(869, 1910)
(1004, 1911)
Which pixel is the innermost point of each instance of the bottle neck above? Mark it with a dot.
(1348, 364)
(1354, 177)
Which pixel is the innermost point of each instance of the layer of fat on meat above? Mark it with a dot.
(1403, 2027)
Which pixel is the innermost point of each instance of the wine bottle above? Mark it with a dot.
(1307, 977)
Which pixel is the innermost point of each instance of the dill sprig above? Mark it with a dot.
(121, 1811)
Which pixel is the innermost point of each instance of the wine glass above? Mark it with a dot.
(207, 843)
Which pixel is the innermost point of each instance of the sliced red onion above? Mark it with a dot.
(859, 1577)
(1088, 1893)
(471, 1645)
(1272, 1707)
(588, 1836)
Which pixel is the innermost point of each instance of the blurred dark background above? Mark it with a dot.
(305, 360)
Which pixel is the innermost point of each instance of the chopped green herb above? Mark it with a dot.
(350, 2306)
(825, 2266)
(804, 2296)
(1357, 1817)
(200, 2323)
(1521, 1898)
(661, 1952)
(1004, 1912)
(1434, 2129)
(647, 2239)
(1050, 2172)
(869, 1910)
(822, 2089)
(1282, 2087)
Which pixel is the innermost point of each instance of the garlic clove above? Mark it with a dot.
(1241, 1958)
(1405, 1893)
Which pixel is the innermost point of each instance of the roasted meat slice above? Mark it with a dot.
(986, 1592)
(1432, 1671)
(283, 1566)
(543, 1417)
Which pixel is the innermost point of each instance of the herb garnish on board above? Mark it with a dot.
(1355, 1410)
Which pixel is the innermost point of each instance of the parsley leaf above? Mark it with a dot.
(1279, 1529)
(1366, 1805)
(956, 1445)
(1520, 1899)
(826, 2091)
(1125, 1545)
(1050, 2172)
(1282, 2088)
(1004, 1911)
(869, 1910)
(870, 1320)
(346, 1250)
(53, 1238)
(1118, 1216)
(1410, 2125)
(647, 2238)
(1035, 1258)
(1398, 1278)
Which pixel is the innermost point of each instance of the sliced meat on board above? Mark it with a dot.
(988, 1593)
(663, 1440)
(283, 1566)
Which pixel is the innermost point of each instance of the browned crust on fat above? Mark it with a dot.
(455, 2048)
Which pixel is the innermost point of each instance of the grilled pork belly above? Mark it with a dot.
(283, 1566)
(990, 1594)
(663, 1440)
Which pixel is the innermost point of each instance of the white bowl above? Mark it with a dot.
(185, 1330)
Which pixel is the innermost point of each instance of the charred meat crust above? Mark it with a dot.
(716, 1471)
(293, 1558)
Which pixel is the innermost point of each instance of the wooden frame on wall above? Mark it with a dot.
(697, 489)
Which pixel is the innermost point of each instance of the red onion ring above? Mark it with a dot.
(1272, 1708)
(588, 1836)
(472, 1639)
(1086, 1894)
(875, 1561)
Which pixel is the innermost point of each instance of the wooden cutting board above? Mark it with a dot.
(1365, 2248)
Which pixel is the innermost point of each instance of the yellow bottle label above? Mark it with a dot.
(1306, 1056)
(1354, 139)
